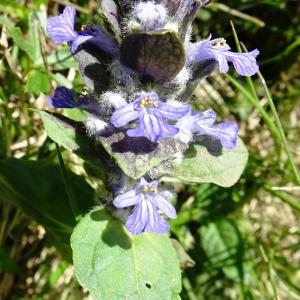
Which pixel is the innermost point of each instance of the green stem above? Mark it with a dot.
(283, 196)
(68, 186)
(255, 102)
(281, 131)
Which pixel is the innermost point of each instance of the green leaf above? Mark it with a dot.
(70, 134)
(115, 265)
(137, 156)
(208, 162)
(34, 38)
(38, 82)
(156, 55)
(224, 248)
(38, 189)
(61, 59)
(13, 9)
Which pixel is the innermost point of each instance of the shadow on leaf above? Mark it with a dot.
(114, 233)
(212, 146)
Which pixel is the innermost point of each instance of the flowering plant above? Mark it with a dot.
(141, 125)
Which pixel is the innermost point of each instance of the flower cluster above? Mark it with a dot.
(149, 64)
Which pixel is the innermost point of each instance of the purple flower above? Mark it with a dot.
(64, 98)
(151, 114)
(226, 133)
(217, 49)
(61, 29)
(202, 123)
(147, 200)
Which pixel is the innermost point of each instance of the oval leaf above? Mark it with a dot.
(115, 265)
(156, 55)
(70, 134)
(208, 162)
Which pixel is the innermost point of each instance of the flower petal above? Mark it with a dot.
(173, 110)
(244, 63)
(167, 130)
(155, 222)
(136, 222)
(124, 115)
(227, 132)
(165, 206)
(207, 118)
(127, 199)
(105, 42)
(78, 40)
(222, 61)
(63, 98)
(61, 28)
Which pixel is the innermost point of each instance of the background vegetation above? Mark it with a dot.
(237, 243)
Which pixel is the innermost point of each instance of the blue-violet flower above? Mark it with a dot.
(64, 98)
(147, 201)
(226, 132)
(217, 49)
(202, 123)
(61, 29)
(151, 114)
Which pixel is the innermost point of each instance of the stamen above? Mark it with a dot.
(221, 43)
(87, 27)
(148, 102)
(149, 188)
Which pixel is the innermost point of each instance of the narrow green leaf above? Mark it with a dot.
(115, 265)
(68, 186)
(38, 189)
(224, 248)
(34, 38)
